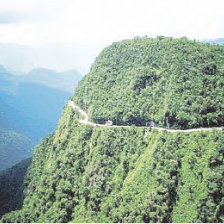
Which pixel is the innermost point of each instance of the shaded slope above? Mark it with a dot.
(11, 187)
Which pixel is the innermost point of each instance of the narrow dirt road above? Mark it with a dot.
(86, 121)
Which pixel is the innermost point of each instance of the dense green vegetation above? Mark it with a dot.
(83, 173)
(173, 82)
(11, 187)
(14, 147)
(97, 174)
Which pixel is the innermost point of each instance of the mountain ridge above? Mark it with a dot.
(91, 174)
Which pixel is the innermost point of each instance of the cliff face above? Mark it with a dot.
(83, 173)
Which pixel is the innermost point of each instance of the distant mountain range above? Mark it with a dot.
(59, 57)
(219, 41)
(13, 148)
(30, 107)
(65, 81)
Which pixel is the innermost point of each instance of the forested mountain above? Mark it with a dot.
(84, 173)
(173, 82)
(11, 186)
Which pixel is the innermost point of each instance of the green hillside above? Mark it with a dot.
(173, 82)
(99, 174)
(11, 187)
(83, 173)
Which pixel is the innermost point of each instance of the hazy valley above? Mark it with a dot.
(30, 110)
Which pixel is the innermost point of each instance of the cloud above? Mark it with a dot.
(91, 25)
(8, 17)
(105, 21)
(30, 11)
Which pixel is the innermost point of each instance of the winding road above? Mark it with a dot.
(87, 122)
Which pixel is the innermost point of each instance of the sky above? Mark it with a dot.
(69, 34)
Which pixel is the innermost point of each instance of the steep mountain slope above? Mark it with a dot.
(83, 173)
(173, 82)
(11, 187)
(98, 174)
